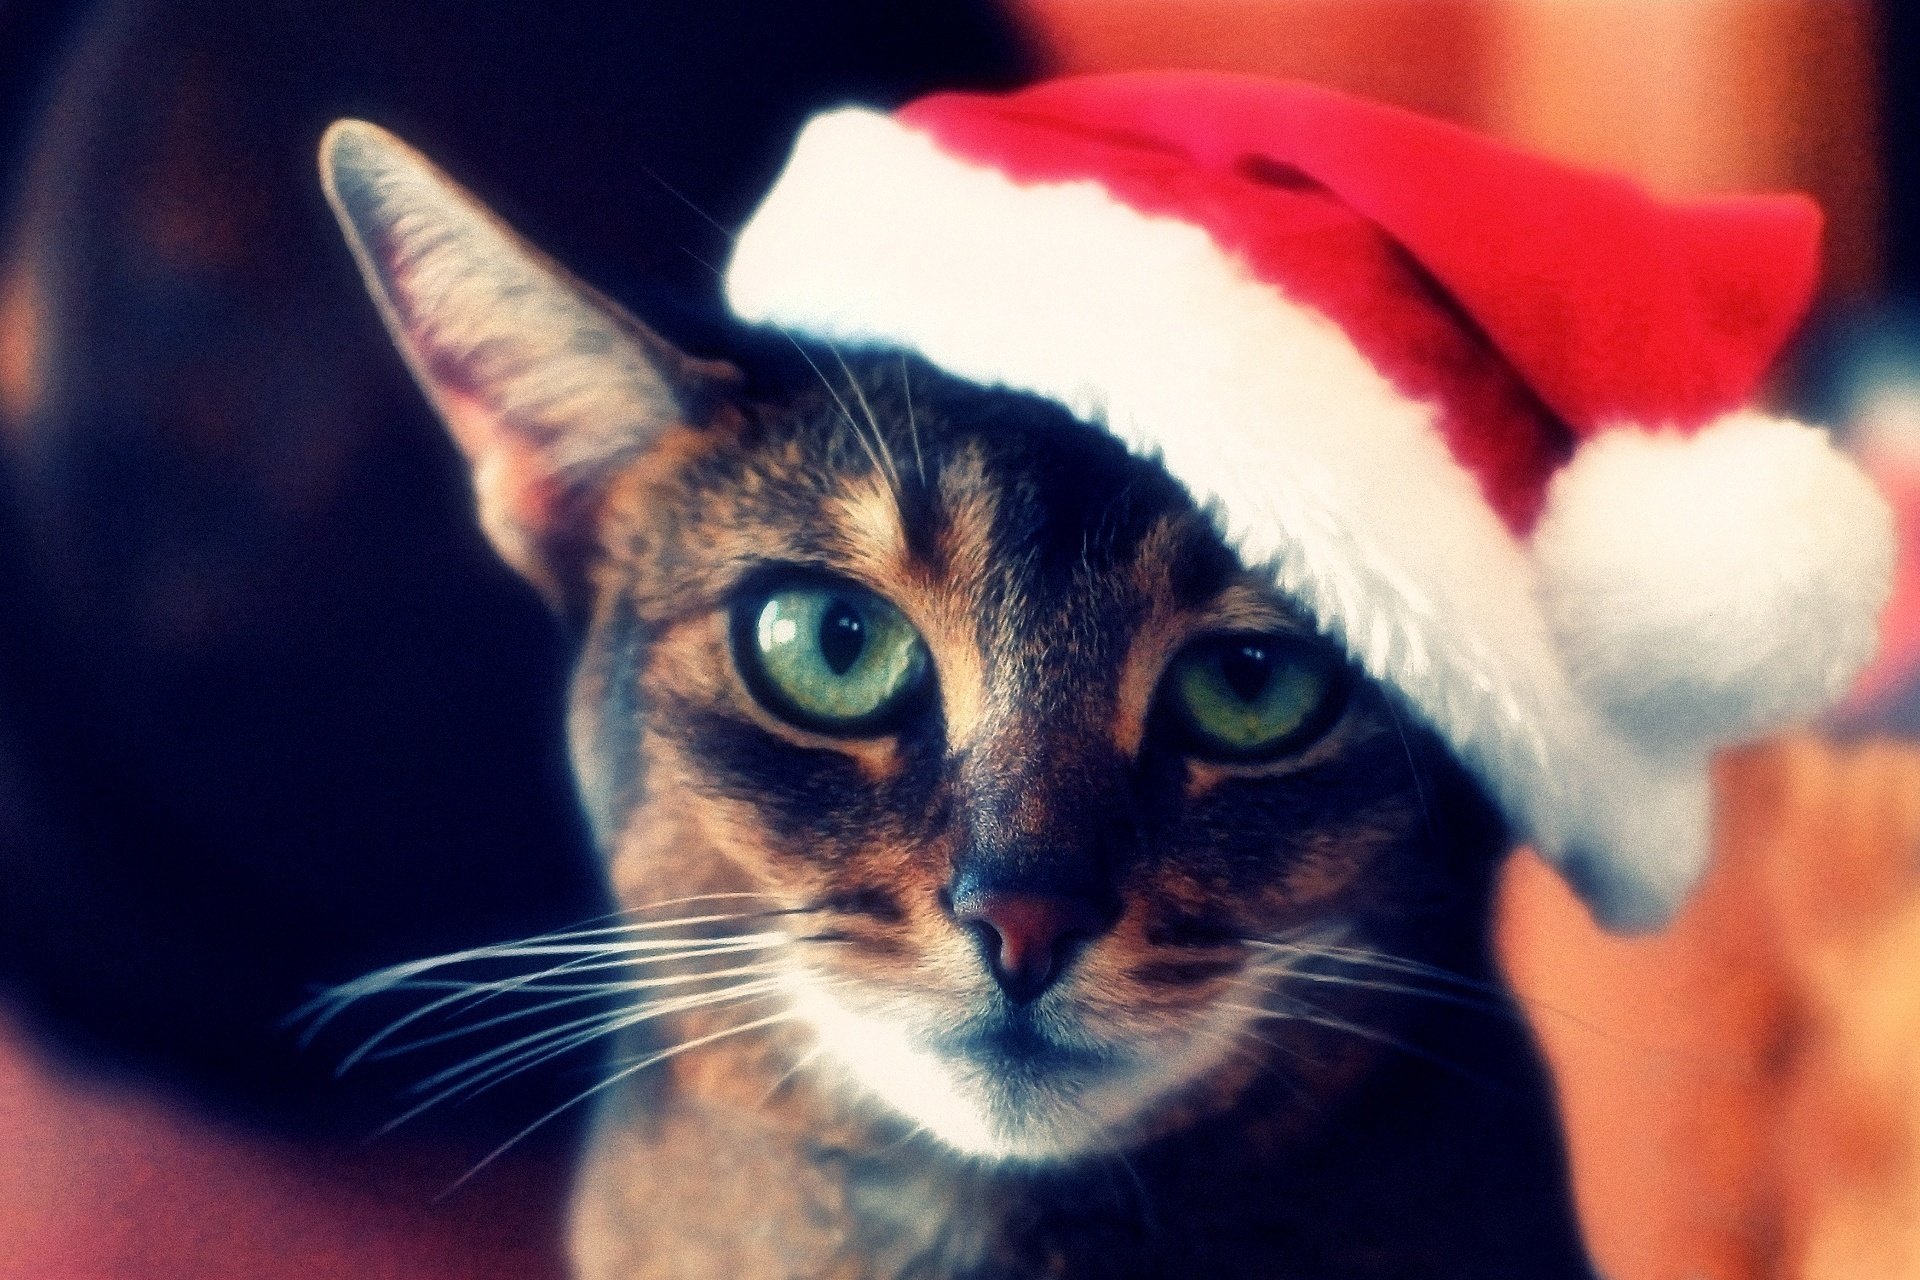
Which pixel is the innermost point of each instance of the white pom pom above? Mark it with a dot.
(1709, 588)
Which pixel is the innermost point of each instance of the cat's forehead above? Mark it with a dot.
(882, 468)
(882, 459)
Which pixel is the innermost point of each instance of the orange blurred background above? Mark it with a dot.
(1743, 1092)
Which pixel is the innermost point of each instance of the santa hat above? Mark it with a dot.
(1483, 413)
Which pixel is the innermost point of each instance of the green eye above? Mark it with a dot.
(1252, 697)
(831, 657)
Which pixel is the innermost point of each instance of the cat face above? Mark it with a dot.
(1045, 805)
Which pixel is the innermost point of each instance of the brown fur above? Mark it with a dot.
(863, 1096)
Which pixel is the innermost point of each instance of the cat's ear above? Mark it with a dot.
(549, 388)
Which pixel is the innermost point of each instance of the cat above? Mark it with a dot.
(1013, 881)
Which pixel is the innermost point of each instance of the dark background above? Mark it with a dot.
(1902, 99)
(270, 713)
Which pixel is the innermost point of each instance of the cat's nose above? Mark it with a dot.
(1028, 939)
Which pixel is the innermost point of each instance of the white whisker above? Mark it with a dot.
(470, 1078)
(1390, 988)
(586, 991)
(846, 413)
(607, 1022)
(890, 472)
(324, 1007)
(913, 425)
(1301, 1011)
(1499, 999)
(624, 1073)
(1378, 959)
(800, 1064)
(618, 956)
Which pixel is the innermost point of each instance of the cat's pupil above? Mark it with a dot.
(842, 636)
(1246, 668)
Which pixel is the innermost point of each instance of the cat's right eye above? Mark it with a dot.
(830, 656)
(1248, 698)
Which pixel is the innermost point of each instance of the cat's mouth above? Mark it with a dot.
(1007, 1084)
(1014, 1040)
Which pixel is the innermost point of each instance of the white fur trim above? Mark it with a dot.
(1264, 408)
(1712, 587)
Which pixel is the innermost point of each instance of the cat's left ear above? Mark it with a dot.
(548, 388)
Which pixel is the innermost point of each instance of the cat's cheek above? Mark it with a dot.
(666, 851)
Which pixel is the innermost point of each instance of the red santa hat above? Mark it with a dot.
(1484, 413)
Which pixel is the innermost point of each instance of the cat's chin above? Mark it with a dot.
(1000, 1091)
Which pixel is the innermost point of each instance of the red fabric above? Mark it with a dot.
(105, 1180)
(1609, 304)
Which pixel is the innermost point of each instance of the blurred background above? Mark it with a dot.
(270, 715)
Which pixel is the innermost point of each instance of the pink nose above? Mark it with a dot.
(1028, 938)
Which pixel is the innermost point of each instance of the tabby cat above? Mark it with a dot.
(1014, 882)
